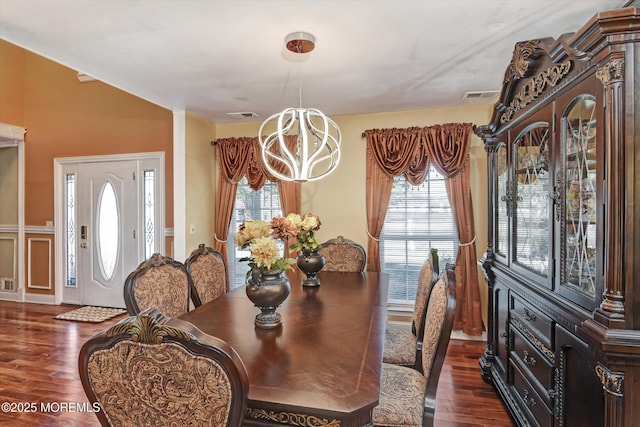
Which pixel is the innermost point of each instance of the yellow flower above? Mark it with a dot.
(251, 230)
(264, 252)
(294, 219)
(310, 222)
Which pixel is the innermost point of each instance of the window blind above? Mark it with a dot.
(418, 219)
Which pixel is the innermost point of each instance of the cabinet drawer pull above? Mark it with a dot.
(531, 317)
(529, 360)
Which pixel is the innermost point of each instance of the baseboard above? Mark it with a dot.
(459, 335)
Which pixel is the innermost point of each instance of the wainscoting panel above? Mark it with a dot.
(39, 254)
(8, 263)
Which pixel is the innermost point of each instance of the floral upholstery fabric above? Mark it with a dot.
(399, 342)
(425, 280)
(399, 345)
(165, 288)
(433, 324)
(402, 389)
(154, 385)
(401, 400)
(343, 257)
(208, 276)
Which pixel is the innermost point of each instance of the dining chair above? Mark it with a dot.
(208, 273)
(158, 282)
(343, 255)
(402, 346)
(408, 396)
(154, 370)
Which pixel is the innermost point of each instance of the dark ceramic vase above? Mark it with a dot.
(310, 263)
(267, 290)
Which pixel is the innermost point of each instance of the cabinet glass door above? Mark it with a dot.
(504, 202)
(531, 203)
(578, 264)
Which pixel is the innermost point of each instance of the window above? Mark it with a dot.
(149, 186)
(70, 219)
(418, 219)
(263, 204)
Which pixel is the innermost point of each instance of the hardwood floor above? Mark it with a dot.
(38, 371)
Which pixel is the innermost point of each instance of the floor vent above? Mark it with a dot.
(7, 284)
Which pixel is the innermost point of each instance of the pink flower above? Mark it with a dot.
(283, 229)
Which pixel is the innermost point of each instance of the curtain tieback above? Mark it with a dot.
(372, 237)
(215, 236)
(468, 243)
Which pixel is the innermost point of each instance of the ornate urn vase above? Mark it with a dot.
(310, 263)
(267, 290)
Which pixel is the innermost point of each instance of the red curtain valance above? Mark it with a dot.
(412, 150)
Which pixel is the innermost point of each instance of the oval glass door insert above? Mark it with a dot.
(108, 230)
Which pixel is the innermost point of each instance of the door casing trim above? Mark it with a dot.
(58, 215)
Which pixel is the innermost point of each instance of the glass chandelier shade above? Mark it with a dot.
(316, 151)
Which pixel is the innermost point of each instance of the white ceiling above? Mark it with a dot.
(215, 57)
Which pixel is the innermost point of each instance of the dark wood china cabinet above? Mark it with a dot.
(563, 259)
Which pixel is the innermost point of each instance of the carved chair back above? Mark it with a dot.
(158, 282)
(428, 276)
(208, 273)
(408, 395)
(343, 255)
(152, 370)
(441, 310)
(403, 346)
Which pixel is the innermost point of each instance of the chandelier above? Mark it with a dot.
(316, 151)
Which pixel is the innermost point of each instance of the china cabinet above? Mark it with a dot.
(562, 263)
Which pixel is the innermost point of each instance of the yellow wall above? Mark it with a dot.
(200, 181)
(66, 118)
(339, 199)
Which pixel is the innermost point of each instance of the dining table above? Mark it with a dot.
(321, 366)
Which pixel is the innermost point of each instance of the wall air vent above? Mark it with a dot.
(243, 115)
(486, 96)
(8, 285)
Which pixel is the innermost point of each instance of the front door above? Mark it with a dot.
(106, 230)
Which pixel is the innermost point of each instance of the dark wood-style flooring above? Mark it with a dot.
(38, 368)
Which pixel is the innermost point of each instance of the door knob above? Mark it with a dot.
(83, 245)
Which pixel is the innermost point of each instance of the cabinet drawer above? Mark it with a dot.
(533, 364)
(530, 400)
(529, 320)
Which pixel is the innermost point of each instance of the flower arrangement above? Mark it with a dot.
(259, 237)
(302, 227)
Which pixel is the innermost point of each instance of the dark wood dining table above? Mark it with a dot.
(321, 367)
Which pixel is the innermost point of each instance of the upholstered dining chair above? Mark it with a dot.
(343, 255)
(152, 370)
(158, 282)
(208, 273)
(408, 396)
(402, 345)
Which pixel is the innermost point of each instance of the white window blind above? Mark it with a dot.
(263, 204)
(418, 219)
